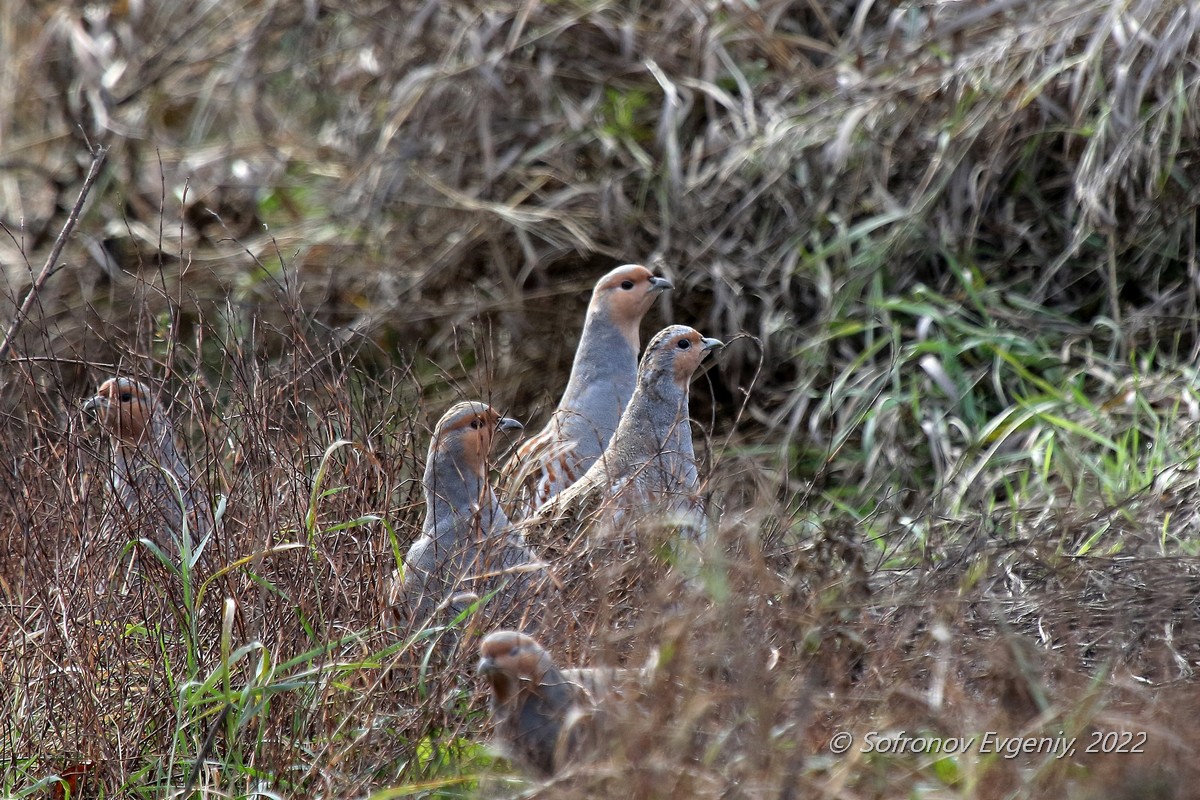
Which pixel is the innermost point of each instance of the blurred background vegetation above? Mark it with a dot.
(815, 175)
(929, 185)
(954, 244)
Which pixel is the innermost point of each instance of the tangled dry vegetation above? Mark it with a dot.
(954, 450)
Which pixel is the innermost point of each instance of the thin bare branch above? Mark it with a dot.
(49, 268)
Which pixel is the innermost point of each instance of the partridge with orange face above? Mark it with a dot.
(148, 475)
(467, 547)
(543, 718)
(602, 380)
(650, 464)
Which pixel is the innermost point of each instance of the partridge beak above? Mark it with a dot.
(710, 344)
(486, 667)
(507, 424)
(658, 284)
(94, 405)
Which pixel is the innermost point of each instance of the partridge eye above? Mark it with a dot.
(684, 344)
(126, 397)
(476, 424)
(627, 285)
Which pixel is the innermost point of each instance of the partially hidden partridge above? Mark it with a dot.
(650, 464)
(545, 717)
(148, 475)
(467, 546)
(602, 380)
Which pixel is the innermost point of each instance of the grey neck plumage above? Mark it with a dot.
(454, 496)
(654, 425)
(601, 383)
(159, 450)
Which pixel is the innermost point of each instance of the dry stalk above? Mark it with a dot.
(49, 267)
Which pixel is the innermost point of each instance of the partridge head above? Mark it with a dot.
(128, 410)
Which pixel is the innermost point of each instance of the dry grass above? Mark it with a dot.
(953, 451)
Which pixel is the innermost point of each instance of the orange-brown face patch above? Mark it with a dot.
(502, 644)
(474, 431)
(688, 350)
(511, 653)
(630, 273)
(472, 427)
(627, 294)
(124, 408)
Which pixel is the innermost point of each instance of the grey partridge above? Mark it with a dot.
(602, 380)
(544, 717)
(467, 548)
(148, 475)
(649, 465)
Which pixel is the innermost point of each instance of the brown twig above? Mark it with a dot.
(48, 268)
